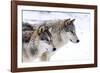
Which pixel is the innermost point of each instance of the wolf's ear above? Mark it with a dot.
(41, 29)
(67, 21)
(72, 20)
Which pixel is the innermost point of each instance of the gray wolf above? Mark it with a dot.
(40, 45)
(62, 31)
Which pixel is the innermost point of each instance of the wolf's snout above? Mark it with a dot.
(78, 41)
(54, 49)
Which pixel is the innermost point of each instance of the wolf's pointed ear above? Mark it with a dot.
(72, 20)
(67, 21)
(40, 29)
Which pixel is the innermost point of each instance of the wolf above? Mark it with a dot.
(40, 45)
(62, 30)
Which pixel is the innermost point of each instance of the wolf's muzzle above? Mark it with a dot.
(78, 41)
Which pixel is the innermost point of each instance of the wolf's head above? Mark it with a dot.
(45, 38)
(40, 42)
(69, 28)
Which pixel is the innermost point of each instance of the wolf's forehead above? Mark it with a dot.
(45, 35)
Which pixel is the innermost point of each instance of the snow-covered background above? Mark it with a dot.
(71, 51)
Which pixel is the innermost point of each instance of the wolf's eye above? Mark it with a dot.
(45, 39)
(71, 31)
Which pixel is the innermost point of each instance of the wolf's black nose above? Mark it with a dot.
(78, 41)
(54, 49)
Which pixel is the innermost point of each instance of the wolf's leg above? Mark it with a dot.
(45, 57)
